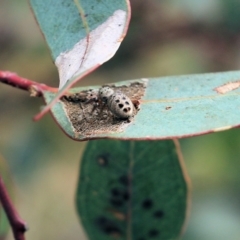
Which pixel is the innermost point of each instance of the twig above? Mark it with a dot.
(17, 224)
(34, 88)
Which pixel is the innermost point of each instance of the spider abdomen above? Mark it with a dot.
(120, 105)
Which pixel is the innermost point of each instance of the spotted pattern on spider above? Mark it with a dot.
(117, 102)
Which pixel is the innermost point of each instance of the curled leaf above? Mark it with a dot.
(170, 107)
(81, 35)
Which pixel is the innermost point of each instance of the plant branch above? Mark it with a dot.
(17, 224)
(34, 88)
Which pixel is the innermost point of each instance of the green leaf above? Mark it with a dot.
(132, 190)
(4, 225)
(170, 107)
(81, 35)
(4, 173)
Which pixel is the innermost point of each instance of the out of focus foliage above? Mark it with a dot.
(6, 178)
(166, 37)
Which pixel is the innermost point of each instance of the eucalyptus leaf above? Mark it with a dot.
(81, 35)
(170, 107)
(132, 190)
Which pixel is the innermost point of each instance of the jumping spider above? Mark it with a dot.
(115, 101)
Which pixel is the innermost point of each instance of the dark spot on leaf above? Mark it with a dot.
(113, 230)
(116, 202)
(120, 105)
(147, 203)
(126, 196)
(117, 101)
(125, 110)
(101, 221)
(124, 180)
(158, 214)
(115, 192)
(127, 102)
(167, 108)
(107, 226)
(153, 233)
(103, 160)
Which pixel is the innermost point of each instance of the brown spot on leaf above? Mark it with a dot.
(103, 159)
(118, 215)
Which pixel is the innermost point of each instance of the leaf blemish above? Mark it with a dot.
(116, 202)
(147, 203)
(228, 87)
(115, 192)
(118, 215)
(108, 226)
(126, 196)
(124, 180)
(103, 160)
(119, 195)
(158, 214)
(153, 233)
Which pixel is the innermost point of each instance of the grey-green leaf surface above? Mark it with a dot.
(171, 107)
(132, 190)
(82, 34)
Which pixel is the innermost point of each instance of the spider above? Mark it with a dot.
(116, 102)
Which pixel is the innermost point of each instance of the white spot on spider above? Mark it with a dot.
(97, 48)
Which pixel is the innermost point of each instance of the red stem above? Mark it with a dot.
(34, 88)
(17, 224)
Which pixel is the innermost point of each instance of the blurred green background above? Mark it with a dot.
(168, 37)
